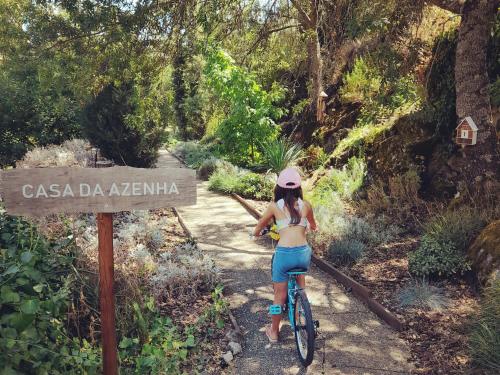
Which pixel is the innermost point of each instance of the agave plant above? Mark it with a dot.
(280, 154)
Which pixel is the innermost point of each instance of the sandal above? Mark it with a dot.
(268, 331)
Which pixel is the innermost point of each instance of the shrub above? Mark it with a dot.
(247, 184)
(398, 200)
(484, 339)
(436, 258)
(223, 181)
(209, 166)
(255, 186)
(35, 296)
(183, 271)
(280, 154)
(442, 251)
(72, 153)
(422, 295)
(345, 252)
(125, 126)
(193, 153)
(345, 182)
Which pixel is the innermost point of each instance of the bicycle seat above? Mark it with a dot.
(296, 271)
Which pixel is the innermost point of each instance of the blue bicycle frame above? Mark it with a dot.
(292, 290)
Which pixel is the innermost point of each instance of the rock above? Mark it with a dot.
(235, 347)
(228, 357)
(485, 253)
(232, 335)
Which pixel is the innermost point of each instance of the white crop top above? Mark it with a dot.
(284, 223)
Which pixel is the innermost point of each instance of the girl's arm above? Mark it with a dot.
(310, 217)
(264, 220)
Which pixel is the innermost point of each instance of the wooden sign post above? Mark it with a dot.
(42, 191)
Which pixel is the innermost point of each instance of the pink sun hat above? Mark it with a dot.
(289, 178)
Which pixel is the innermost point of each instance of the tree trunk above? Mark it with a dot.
(315, 70)
(472, 90)
(179, 92)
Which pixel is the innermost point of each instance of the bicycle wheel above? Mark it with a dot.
(304, 328)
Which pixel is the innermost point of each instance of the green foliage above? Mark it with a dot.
(36, 107)
(442, 251)
(125, 125)
(250, 110)
(345, 182)
(484, 339)
(35, 284)
(345, 252)
(314, 157)
(193, 153)
(385, 96)
(159, 347)
(255, 186)
(280, 154)
(247, 184)
(422, 295)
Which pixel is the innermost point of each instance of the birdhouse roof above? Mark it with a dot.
(323, 94)
(470, 122)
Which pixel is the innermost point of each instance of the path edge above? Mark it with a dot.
(360, 291)
(234, 323)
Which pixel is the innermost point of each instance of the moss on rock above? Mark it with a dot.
(485, 253)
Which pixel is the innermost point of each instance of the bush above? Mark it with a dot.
(35, 296)
(484, 339)
(247, 184)
(422, 295)
(72, 153)
(345, 252)
(184, 271)
(345, 182)
(442, 251)
(255, 186)
(280, 154)
(193, 153)
(223, 181)
(126, 127)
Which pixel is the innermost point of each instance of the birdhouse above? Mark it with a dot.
(321, 107)
(466, 132)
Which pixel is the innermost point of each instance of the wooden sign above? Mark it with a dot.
(42, 191)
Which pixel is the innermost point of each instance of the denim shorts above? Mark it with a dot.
(286, 258)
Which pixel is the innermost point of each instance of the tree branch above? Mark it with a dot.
(266, 33)
(303, 15)
(454, 6)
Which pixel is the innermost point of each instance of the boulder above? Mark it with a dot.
(484, 253)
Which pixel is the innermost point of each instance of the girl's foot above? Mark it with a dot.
(273, 337)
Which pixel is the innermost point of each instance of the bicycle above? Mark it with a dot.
(297, 305)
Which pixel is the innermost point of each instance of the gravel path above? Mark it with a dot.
(352, 340)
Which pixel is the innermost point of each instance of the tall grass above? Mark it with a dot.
(484, 339)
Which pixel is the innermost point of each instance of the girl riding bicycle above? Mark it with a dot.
(292, 215)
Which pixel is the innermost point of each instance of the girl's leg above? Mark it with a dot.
(280, 290)
(301, 280)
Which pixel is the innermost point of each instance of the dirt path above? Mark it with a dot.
(352, 340)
